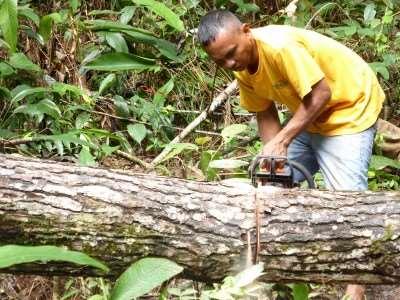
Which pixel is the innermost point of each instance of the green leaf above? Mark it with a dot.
(245, 7)
(74, 4)
(46, 24)
(121, 106)
(121, 62)
(96, 297)
(137, 132)
(62, 88)
(86, 158)
(205, 158)
(249, 275)
(22, 62)
(350, 30)
(81, 120)
(13, 254)
(6, 69)
(107, 82)
(49, 107)
(177, 148)
(108, 150)
(29, 13)
(163, 92)
(126, 14)
(163, 11)
(232, 131)
(299, 291)
(369, 13)
(45, 106)
(117, 42)
(227, 164)
(9, 23)
(143, 276)
(7, 134)
(166, 48)
(4, 93)
(202, 140)
(379, 162)
(102, 25)
(380, 68)
(66, 138)
(27, 91)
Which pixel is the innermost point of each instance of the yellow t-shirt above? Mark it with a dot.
(292, 60)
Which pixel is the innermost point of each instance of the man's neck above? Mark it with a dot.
(253, 66)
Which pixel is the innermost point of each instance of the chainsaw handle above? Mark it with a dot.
(292, 165)
(299, 167)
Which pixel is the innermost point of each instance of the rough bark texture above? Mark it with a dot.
(117, 217)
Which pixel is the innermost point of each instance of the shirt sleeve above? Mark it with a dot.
(249, 100)
(299, 68)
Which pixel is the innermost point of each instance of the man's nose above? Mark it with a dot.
(229, 63)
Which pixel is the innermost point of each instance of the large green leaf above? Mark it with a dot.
(74, 4)
(162, 93)
(232, 131)
(117, 42)
(165, 47)
(13, 254)
(29, 13)
(379, 162)
(107, 82)
(45, 106)
(137, 132)
(143, 276)
(9, 23)
(177, 148)
(126, 14)
(86, 158)
(121, 106)
(205, 159)
(22, 62)
(46, 24)
(299, 291)
(163, 11)
(369, 13)
(249, 275)
(27, 91)
(380, 68)
(102, 25)
(227, 164)
(5, 69)
(121, 62)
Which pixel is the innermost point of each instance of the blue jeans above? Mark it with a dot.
(343, 159)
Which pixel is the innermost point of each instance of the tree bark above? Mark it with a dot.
(119, 217)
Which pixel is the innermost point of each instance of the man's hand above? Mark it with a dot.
(275, 147)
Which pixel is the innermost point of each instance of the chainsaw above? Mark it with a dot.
(277, 170)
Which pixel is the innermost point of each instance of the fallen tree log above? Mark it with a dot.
(306, 235)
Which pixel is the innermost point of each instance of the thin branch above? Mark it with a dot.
(217, 101)
(133, 158)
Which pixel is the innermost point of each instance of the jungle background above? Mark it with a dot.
(111, 83)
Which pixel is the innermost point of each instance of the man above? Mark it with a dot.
(333, 94)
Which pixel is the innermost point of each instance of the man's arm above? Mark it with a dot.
(268, 123)
(311, 106)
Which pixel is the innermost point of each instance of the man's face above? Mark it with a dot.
(232, 49)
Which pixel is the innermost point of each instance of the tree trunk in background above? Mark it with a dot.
(306, 235)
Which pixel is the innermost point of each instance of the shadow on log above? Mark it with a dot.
(118, 217)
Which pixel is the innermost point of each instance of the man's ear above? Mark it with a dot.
(245, 28)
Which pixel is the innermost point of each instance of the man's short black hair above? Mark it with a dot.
(212, 23)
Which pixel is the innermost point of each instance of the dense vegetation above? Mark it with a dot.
(83, 79)
(92, 81)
